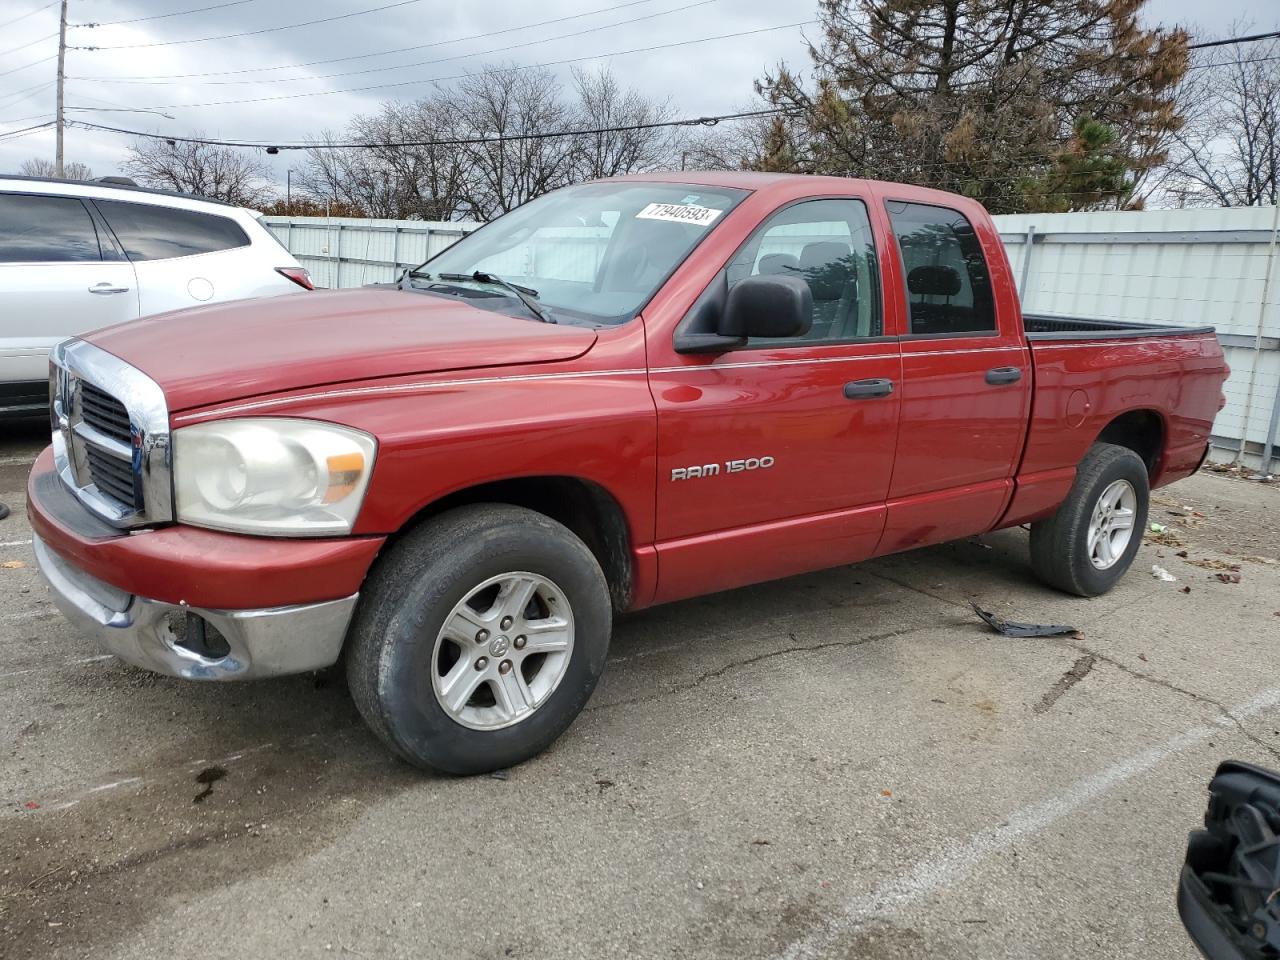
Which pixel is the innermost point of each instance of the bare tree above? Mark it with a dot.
(604, 105)
(1228, 153)
(216, 172)
(40, 167)
(508, 113)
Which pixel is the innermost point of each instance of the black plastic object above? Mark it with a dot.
(998, 375)
(768, 306)
(865, 389)
(4, 510)
(1229, 892)
(1012, 628)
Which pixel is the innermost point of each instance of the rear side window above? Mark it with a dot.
(161, 233)
(45, 230)
(948, 284)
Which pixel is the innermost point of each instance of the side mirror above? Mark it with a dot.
(767, 306)
(1227, 891)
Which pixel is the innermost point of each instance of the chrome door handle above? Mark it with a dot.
(105, 287)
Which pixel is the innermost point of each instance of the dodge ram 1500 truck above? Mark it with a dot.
(620, 394)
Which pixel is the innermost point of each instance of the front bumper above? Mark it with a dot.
(155, 635)
(196, 603)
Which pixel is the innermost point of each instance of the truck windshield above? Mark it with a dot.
(594, 253)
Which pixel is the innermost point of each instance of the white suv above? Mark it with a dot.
(79, 255)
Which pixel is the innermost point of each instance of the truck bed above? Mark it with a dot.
(1044, 326)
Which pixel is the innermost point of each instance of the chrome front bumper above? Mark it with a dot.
(148, 633)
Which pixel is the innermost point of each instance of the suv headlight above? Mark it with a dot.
(271, 476)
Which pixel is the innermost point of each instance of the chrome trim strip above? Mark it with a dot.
(73, 361)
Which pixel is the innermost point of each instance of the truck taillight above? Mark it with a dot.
(298, 275)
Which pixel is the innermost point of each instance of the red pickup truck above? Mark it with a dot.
(620, 394)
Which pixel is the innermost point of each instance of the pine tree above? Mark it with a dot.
(1022, 104)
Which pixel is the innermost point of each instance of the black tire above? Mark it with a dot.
(414, 587)
(1060, 554)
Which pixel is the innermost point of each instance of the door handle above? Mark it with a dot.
(999, 375)
(104, 288)
(867, 389)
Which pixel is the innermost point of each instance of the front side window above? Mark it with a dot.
(948, 284)
(161, 233)
(45, 230)
(828, 244)
(593, 253)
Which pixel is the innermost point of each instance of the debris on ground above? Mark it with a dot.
(1012, 628)
(1164, 536)
(1186, 589)
(208, 776)
(1228, 576)
(1160, 573)
(12, 564)
(1210, 563)
(1267, 561)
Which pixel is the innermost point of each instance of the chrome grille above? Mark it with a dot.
(110, 435)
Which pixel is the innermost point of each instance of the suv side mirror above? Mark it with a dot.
(770, 305)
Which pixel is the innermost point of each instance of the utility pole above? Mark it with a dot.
(62, 74)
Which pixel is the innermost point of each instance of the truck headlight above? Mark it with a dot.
(271, 476)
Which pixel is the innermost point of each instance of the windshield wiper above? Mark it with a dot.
(526, 295)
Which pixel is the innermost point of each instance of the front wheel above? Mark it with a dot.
(479, 638)
(1090, 542)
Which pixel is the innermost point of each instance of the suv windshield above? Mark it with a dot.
(594, 253)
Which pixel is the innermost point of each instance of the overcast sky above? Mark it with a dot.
(700, 78)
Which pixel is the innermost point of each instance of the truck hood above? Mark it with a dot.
(248, 348)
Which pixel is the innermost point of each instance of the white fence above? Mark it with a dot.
(1182, 267)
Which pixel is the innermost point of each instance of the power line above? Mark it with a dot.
(529, 66)
(15, 134)
(259, 32)
(708, 121)
(27, 66)
(29, 43)
(366, 56)
(162, 16)
(426, 63)
(29, 13)
(1231, 40)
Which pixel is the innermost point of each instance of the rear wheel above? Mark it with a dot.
(1090, 542)
(479, 638)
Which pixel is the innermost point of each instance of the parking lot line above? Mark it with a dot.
(958, 859)
(16, 543)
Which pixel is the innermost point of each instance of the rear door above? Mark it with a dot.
(183, 257)
(61, 274)
(966, 378)
(775, 458)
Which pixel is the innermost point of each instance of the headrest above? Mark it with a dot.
(934, 281)
(825, 265)
(777, 263)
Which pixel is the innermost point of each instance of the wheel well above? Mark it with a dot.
(1142, 431)
(587, 509)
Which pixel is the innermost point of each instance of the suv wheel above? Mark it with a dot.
(478, 639)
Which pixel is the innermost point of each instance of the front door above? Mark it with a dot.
(56, 280)
(776, 458)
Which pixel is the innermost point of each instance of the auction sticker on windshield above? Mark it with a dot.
(680, 213)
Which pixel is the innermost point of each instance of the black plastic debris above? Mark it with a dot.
(208, 777)
(1012, 628)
